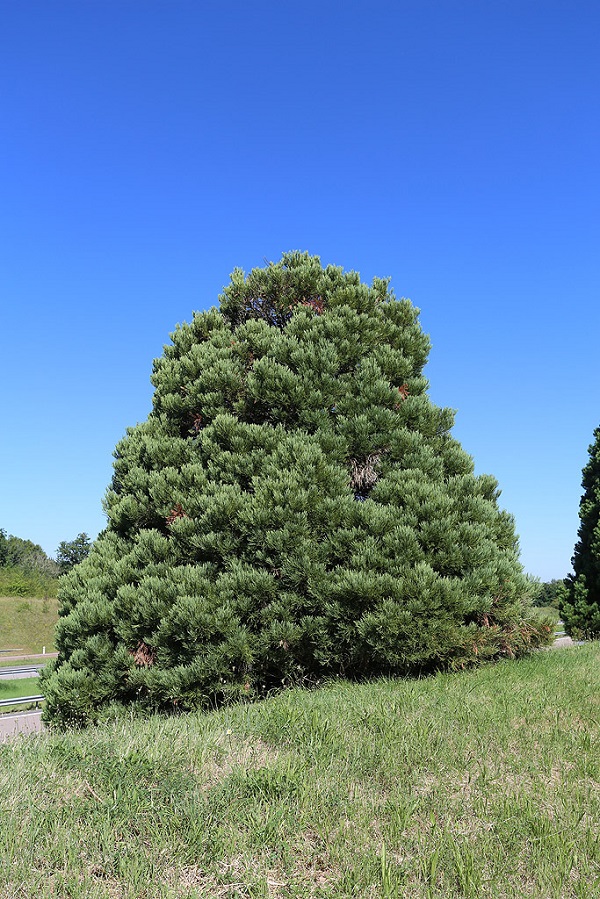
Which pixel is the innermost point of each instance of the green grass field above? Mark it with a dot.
(24, 686)
(12, 689)
(478, 784)
(546, 612)
(27, 624)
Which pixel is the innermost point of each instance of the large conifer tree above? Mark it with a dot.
(293, 508)
(580, 602)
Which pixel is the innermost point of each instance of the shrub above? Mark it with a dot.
(16, 581)
(294, 508)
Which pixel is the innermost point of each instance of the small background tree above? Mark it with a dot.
(544, 593)
(580, 597)
(73, 552)
(549, 593)
(294, 508)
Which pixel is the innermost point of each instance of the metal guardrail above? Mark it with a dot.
(8, 671)
(22, 700)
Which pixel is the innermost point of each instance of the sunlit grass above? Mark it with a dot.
(25, 686)
(547, 612)
(479, 784)
(27, 624)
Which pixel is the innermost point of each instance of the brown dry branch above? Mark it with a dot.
(363, 475)
(175, 513)
(317, 304)
(403, 391)
(143, 656)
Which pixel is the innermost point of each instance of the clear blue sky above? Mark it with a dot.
(147, 148)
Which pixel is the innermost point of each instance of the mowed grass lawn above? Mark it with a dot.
(24, 686)
(27, 624)
(479, 784)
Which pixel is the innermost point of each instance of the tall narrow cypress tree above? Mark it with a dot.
(580, 600)
(293, 508)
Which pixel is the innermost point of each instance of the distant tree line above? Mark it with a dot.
(26, 570)
(546, 593)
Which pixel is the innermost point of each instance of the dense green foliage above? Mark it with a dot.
(25, 569)
(14, 551)
(580, 599)
(72, 552)
(18, 581)
(294, 508)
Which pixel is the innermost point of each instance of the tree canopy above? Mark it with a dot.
(16, 551)
(72, 552)
(580, 599)
(294, 508)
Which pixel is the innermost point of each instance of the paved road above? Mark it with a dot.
(19, 723)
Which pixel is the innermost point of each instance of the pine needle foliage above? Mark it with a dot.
(293, 509)
(580, 596)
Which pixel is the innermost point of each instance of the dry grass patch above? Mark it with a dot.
(231, 753)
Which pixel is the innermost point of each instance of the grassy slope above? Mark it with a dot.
(27, 623)
(481, 784)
